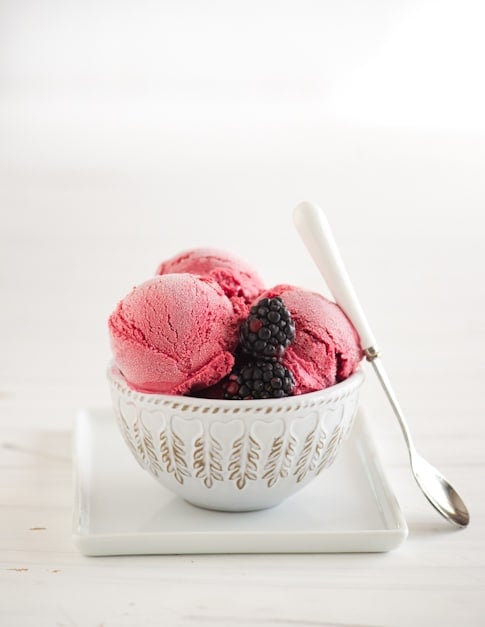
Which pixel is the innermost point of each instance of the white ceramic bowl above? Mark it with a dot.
(235, 455)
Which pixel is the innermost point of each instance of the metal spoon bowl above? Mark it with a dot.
(439, 492)
(315, 231)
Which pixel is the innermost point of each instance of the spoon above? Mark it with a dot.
(315, 232)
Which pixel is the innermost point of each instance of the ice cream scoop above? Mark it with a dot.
(174, 334)
(326, 347)
(238, 280)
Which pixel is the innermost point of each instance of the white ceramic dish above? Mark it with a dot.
(120, 510)
(235, 455)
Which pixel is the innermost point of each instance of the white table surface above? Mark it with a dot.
(93, 194)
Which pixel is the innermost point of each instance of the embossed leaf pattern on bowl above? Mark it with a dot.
(208, 463)
(168, 453)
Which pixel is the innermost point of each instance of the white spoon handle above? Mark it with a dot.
(314, 229)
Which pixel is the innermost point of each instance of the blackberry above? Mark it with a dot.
(268, 330)
(259, 379)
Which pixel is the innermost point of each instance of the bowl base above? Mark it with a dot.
(236, 509)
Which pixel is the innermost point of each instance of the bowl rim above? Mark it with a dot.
(333, 392)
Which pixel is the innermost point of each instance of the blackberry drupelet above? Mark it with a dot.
(268, 330)
(259, 379)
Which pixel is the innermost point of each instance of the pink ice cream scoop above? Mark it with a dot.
(326, 348)
(174, 334)
(238, 280)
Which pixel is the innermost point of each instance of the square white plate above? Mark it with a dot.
(119, 509)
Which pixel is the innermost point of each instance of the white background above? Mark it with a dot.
(132, 130)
